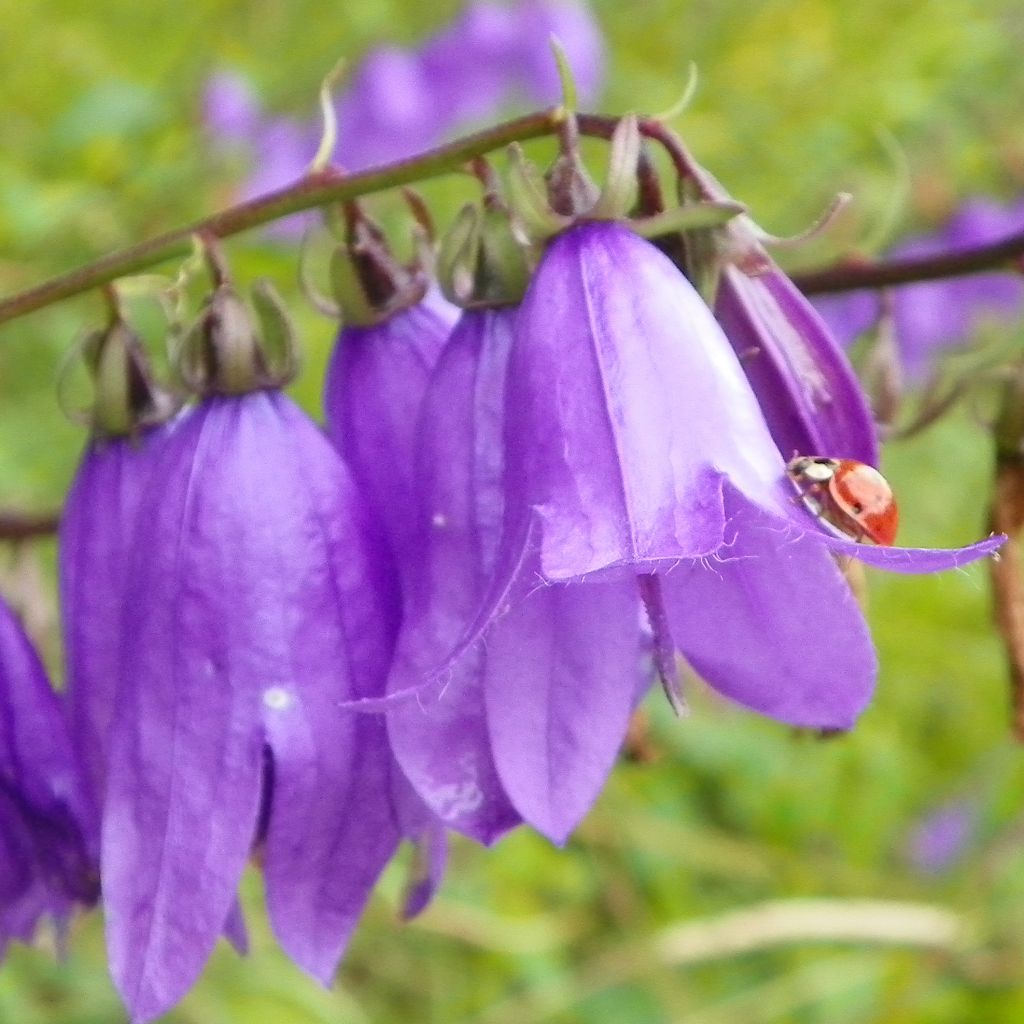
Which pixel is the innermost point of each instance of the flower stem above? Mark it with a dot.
(1003, 254)
(333, 185)
(18, 525)
(329, 185)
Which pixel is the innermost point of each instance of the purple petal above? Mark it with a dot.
(432, 860)
(332, 828)
(442, 743)
(807, 389)
(372, 396)
(913, 560)
(96, 530)
(388, 111)
(47, 817)
(626, 405)
(444, 749)
(771, 623)
(562, 671)
(468, 65)
(38, 763)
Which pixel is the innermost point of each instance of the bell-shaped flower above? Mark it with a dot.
(374, 387)
(443, 745)
(256, 607)
(807, 390)
(261, 604)
(48, 824)
(638, 466)
(128, 420)
(485, 751)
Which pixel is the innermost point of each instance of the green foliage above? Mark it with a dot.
(102, 145)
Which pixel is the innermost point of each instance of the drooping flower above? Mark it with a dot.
(805, 386)
(372, 395)
(443, 746)
(127, 422)
(48, 823)
(932, 316)
(260, 602)
(638, 465)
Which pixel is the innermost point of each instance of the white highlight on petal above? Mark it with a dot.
(277, 698)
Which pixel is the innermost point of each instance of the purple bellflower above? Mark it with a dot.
(48, 823)
(261, 603)
(807, 390)
(97, 525)
(256, 608)
(443, 745)
(128, 420)
(372, 395)
(638, 466)
(931, 316)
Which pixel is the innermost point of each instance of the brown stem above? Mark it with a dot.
(316, 189)
(1003, 254)
(15, 525)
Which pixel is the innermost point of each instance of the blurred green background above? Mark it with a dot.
(101, 145)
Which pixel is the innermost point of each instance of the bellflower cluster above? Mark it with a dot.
(596, 454)
(48, 838)
(931, 316)
(400, 101)
(546, 478)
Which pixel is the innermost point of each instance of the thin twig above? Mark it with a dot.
(15, 525)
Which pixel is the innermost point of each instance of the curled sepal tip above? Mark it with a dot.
(682, 104)
(828, 218)
(329, 133)
(566, 79)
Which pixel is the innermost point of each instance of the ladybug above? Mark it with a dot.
(849, 495)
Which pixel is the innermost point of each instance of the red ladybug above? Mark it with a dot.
(852, 496)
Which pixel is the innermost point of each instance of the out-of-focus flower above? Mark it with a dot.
(231, 110)
(402, 101)
(933, 315)
(637, 464)
(48, 837)
(942, 837)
